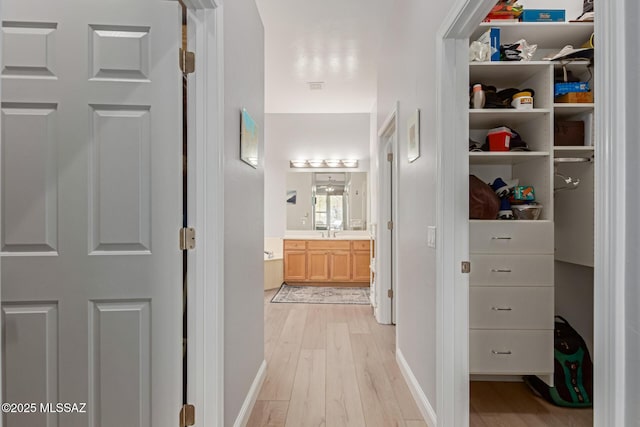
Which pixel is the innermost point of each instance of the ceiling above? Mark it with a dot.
(329, 41)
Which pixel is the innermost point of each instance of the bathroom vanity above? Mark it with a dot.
(334, 261)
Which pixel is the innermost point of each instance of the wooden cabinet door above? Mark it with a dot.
(340, 266)
(361, 261)
(318, 262)
(295, 266)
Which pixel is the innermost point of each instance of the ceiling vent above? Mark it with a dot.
(316, 85)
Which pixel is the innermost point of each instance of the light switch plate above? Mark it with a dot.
(431, 236)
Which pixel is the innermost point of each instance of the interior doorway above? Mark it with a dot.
(453, 284)
(386, 274)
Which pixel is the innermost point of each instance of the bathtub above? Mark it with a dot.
(273, 267)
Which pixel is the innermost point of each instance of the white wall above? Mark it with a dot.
(407, 74)
(243, 205)
(574, 298)
(307, 136)
(633, 209)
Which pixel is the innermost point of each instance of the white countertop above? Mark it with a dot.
(340, 235)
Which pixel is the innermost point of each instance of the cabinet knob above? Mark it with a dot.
(501, 352)
(500, 270)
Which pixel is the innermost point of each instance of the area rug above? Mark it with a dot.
(321, 295)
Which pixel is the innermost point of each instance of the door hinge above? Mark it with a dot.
(390, 225)
(466, 267)
(187, 61)
(390, 157)
(390, 293)
(187, 238)
(187, 415)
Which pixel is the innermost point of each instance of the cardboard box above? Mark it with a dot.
(575, 98)
(568, 132)
(543, 15)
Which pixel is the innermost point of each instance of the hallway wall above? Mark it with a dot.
(407, 73)
(243, 204)
(307, 136)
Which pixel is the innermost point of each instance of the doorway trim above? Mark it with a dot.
(205, 265)
(609, 272)
(387, 259)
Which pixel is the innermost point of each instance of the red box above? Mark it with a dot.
(499, 139)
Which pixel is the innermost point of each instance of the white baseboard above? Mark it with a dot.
(423, 403)
(252, 396)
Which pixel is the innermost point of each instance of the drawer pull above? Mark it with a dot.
(501, 352)
(501, 270)
(501, 238)
(501, 308)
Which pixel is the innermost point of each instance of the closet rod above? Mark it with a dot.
(573, 160)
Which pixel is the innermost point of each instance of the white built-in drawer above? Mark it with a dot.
(510, 352)
(510, 270)
(511, 237)
(511, 307)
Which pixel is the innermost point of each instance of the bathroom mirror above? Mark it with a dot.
(327, 200)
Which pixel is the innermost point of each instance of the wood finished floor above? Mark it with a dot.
(334, 366)
(500, 404)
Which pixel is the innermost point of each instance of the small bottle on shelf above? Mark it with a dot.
(478, 96)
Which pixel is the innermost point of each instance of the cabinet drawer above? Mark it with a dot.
(511, 237)
(295, 244)
(510, 352)
(360, 245)
(511, 308)
(329, 245)
(510, 270)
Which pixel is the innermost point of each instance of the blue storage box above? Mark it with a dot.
(543, 15)
(568, 87)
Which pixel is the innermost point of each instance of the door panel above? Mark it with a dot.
(318, 265)
(92, 205)
(340, 266)
(37, 381)
(29, 158)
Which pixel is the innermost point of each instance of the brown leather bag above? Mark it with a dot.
(483, 201)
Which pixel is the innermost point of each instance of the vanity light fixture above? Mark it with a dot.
(317, 163)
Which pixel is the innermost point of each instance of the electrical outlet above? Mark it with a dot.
(431, 236)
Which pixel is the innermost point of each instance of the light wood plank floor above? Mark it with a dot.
(501, 404)
(334, 366)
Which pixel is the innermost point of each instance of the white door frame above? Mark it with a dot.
(205, 269)
(385, 260)
(452, 238)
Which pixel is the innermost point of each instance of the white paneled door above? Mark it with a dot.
(91, 208)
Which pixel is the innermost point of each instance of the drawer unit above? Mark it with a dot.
(511, 237)
(360, 245)
(295, 244)
(329, 245)
(511, 270)
(511, 308)
(510, 352)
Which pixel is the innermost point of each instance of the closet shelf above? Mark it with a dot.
(586, 151)
(488, 118)
(547, 35)
(563, 110)
(505, 158)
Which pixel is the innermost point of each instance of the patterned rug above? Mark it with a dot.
(321, 295)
